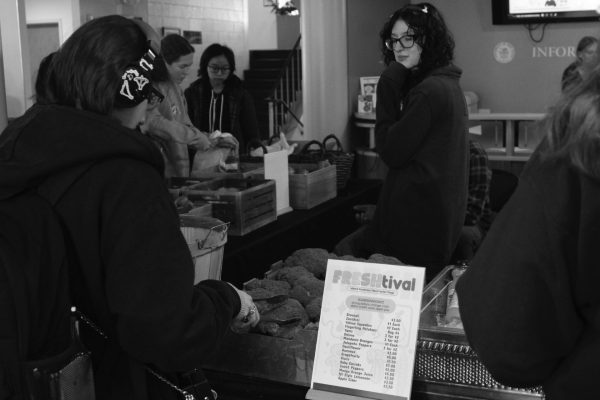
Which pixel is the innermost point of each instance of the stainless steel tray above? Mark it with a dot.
(444, 357)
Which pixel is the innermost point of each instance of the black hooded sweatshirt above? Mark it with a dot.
(421, 135)
(132, 271)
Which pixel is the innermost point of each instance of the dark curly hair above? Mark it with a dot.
(430, 31)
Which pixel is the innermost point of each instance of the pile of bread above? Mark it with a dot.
(289, 297)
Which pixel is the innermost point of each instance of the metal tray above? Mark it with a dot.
(445, 361)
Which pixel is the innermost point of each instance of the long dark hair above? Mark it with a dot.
(42, 93)
(572, 127)
(172, 47)
(212, 51)
(86, 71)
(431, 34)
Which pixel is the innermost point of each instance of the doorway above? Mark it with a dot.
(44, 38)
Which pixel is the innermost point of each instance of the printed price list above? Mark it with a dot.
(390, 346)
(350, 368)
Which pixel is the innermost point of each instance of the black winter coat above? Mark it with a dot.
(133, 274)
(421, 135)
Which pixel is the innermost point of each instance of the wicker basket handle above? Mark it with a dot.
(305, 148)
(253, 144)
(337, 142)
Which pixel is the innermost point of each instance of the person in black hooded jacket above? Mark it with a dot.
(529, 301)
(218, 101)
(421, 135)
(132, 273)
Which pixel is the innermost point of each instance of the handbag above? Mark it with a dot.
(191, 385)
(66, 376)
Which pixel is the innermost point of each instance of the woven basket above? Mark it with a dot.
(253, 144)
(311, 152)
(342, 160)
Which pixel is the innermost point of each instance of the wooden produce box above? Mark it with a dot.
(311, 185)
(177, 185)
(247, 204)
(245, 170)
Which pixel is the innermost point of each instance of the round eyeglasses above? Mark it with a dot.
(216, 69)
(406, 42)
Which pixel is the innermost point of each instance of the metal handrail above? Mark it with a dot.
(286, 92)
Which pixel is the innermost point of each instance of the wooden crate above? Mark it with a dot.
(247, 204)
(311, 185)
(245, 170)
(177, 185)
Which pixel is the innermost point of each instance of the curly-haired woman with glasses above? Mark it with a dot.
(421, 135)
(218, 101)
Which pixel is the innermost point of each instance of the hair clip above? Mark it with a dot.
(135, 80)
(134, 76)
(424, 10)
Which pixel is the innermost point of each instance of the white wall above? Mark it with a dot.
(65, 12)
(528, 83)
(14, 17)
(323, 25)
(15, 53)
(262, 26)
(3, 113)
(222, 21)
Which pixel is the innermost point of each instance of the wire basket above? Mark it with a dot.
(206, 238)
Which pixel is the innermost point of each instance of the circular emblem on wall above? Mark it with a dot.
(504, 52)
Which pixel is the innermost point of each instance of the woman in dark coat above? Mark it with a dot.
(421, 135)
(131, 269)
(529, 301)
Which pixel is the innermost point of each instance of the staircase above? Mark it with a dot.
(259, 80)
(275, 75)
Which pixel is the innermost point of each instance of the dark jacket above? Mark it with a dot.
(132, 271)
(421, 135)
(529, 301)
(240, 113)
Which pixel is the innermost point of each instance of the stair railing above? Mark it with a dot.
(286, 92)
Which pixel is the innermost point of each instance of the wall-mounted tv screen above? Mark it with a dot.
(543, 11)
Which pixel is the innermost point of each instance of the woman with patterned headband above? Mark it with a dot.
(130, 267)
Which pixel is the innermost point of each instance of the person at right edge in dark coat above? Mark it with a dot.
(529, 301)
(421, 135)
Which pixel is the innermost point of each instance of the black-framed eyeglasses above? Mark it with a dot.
(216, 69)
(154, 96)
(406, 42)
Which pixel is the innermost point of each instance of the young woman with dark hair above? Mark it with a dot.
(529, 301)
(168, 123)
(421, 135)
(587, 59)
(217, 100)
(131, 269)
